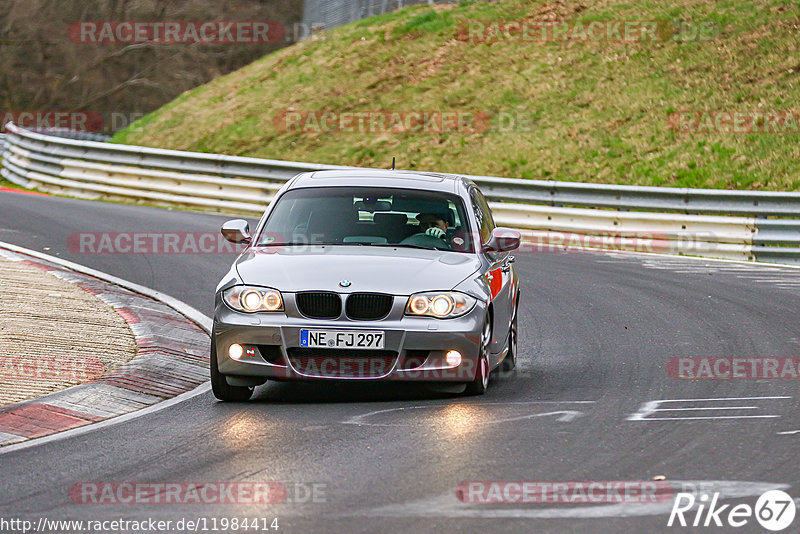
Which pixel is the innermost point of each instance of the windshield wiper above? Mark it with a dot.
(352, 244)
(295, 244)
(404, 245)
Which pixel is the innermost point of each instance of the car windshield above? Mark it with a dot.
(369, 217)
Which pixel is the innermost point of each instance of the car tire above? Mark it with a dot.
(220, 387)
(510, 361)
(481, 382)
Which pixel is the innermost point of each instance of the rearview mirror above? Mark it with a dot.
(236, 231)
(502, 240)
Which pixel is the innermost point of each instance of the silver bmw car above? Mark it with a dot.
(367, 275)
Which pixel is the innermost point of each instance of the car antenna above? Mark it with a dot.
(392, 162)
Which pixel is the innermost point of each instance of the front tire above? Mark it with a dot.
(481, 382)
(220, 387)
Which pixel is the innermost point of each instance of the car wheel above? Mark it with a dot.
(510, 361)
(220, 387)
(481, 382)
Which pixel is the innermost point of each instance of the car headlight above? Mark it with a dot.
(253, 299)
(441, 304)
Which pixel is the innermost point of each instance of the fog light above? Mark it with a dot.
(453, 358)
(235, 351)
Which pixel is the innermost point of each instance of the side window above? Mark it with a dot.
(484, 215)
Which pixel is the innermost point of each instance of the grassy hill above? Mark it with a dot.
(581, 109)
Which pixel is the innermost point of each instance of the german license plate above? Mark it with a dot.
(342, 339)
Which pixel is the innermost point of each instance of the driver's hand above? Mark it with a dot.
(435, 231)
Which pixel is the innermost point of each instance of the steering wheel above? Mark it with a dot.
(424, 240)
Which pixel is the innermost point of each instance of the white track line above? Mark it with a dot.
(199, 390)
(656, 256)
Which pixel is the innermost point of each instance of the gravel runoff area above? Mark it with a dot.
(54, 334)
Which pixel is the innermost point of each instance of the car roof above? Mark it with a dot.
(427, 181)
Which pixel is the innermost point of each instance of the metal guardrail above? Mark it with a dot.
(669, 199)
(69, 134)
(74, 134)
(701, 222)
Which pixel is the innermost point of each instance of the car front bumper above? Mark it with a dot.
(414, 347)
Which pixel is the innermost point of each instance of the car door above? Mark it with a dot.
(499, 274)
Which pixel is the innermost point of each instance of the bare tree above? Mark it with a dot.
(43, 69)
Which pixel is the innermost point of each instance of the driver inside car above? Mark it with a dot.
(432, 224)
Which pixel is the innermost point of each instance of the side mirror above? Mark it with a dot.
(236, 231)
(502, 240)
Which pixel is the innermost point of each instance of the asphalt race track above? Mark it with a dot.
(597, 330)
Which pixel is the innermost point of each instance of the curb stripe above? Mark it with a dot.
(171, 361)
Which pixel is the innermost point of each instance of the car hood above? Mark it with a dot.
(399, 271)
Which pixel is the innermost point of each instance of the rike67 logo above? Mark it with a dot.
(774, 511)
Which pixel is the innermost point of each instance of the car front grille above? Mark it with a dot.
(368, 306)
(342, 363)
(319, 304)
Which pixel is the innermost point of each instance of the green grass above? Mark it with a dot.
(583, 111)
(6, 183)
